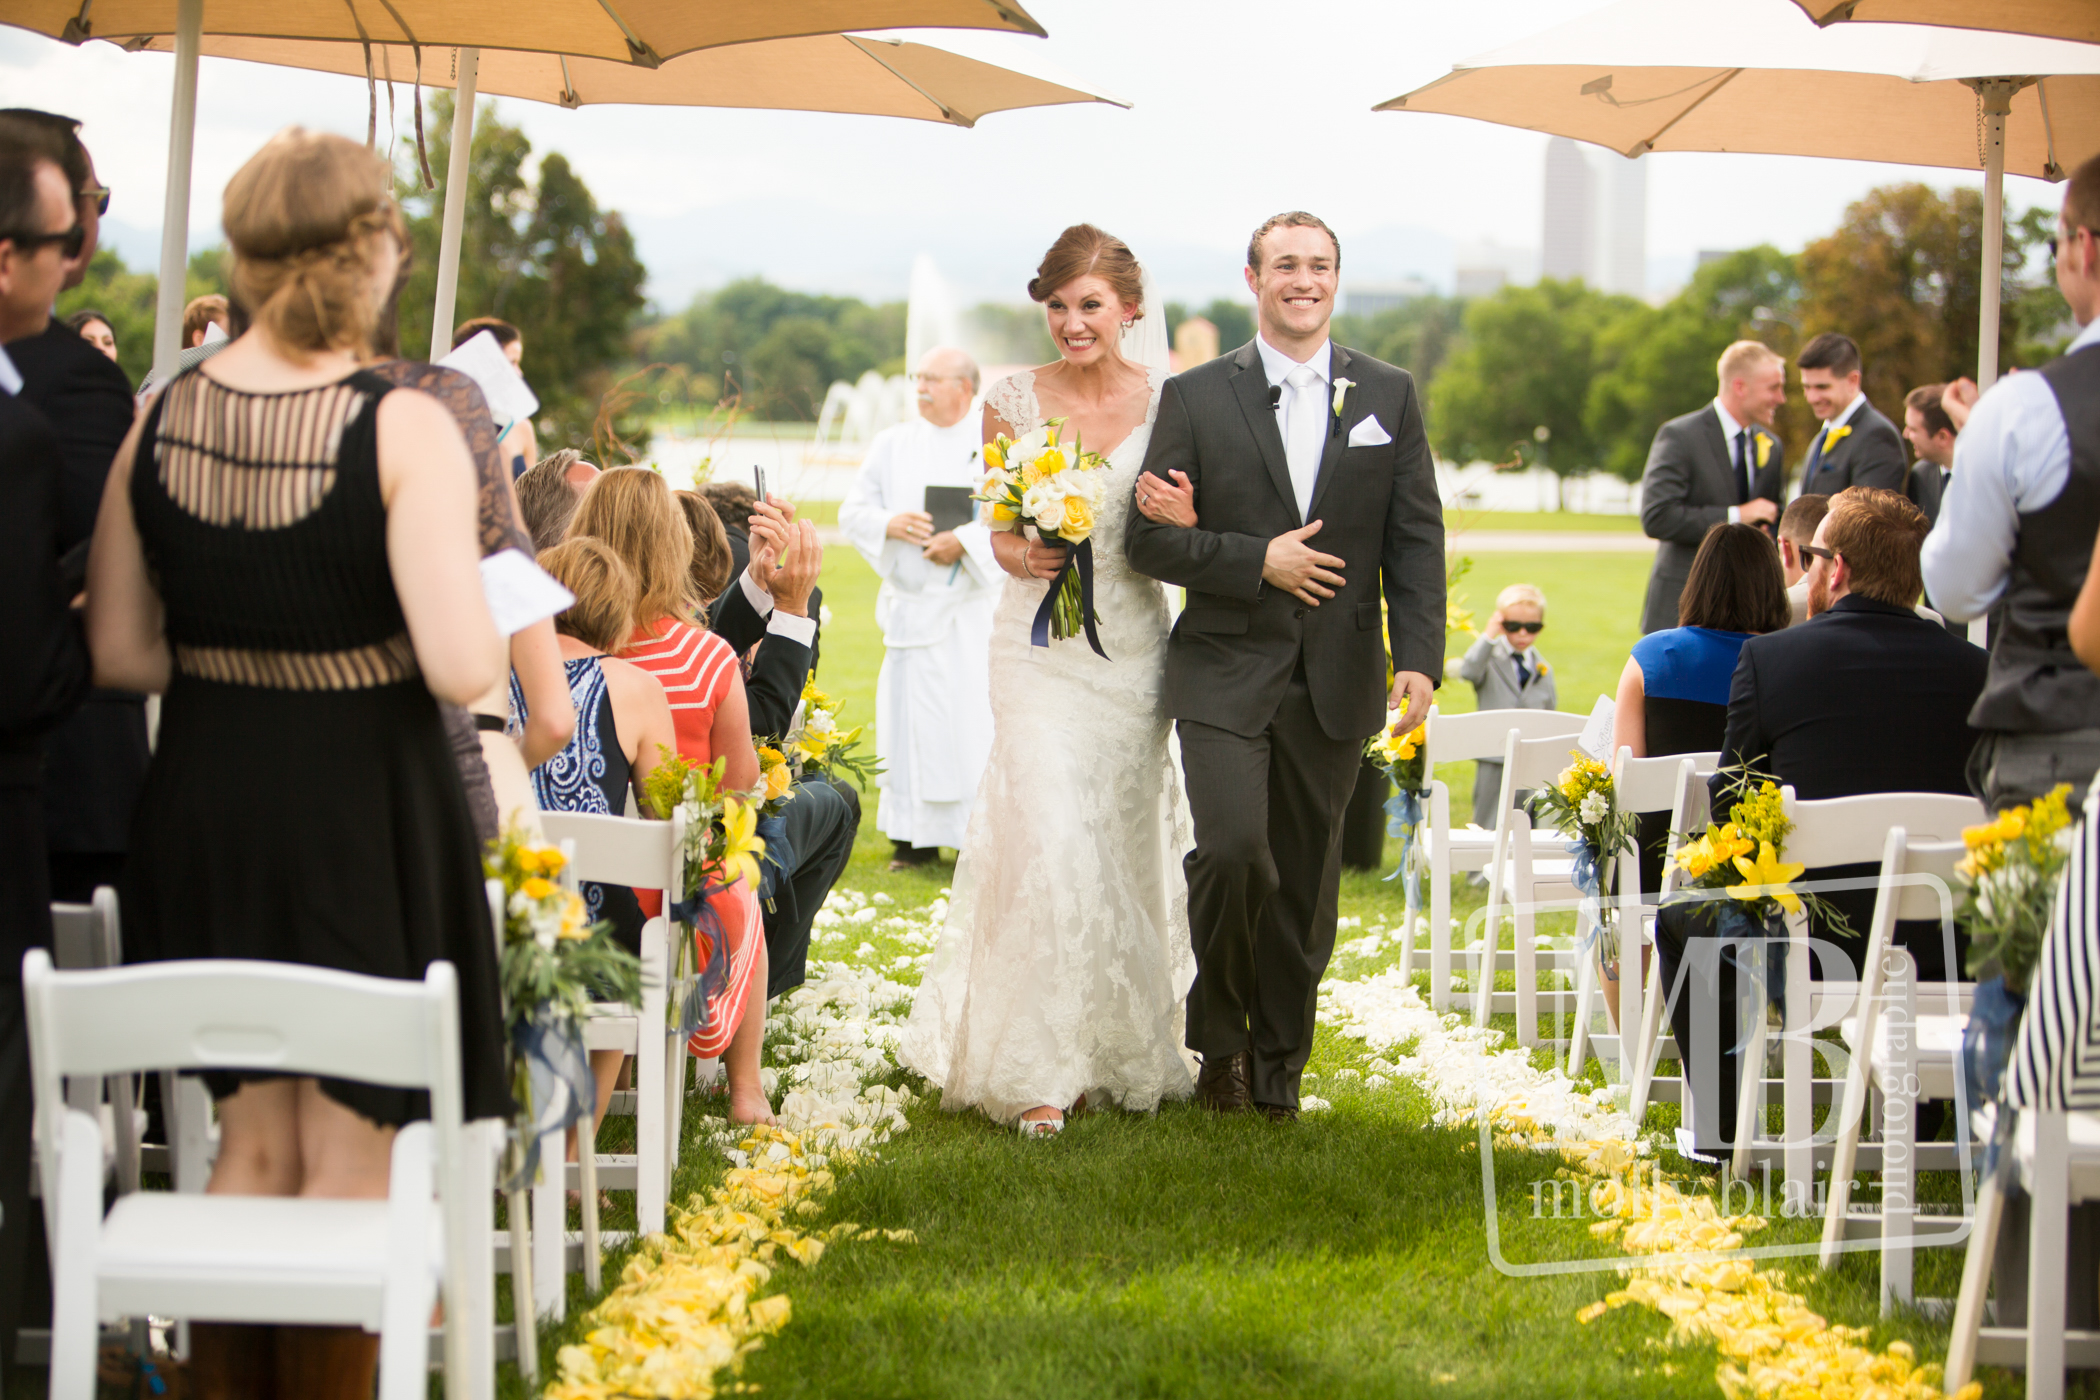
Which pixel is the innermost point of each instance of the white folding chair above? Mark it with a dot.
(645, 855)
(1454, 739)
(268, 1259)
(1833, 831)
(1688, 811)
(1913, 1059)
(1521, 876)
(85, 936)
(1640, 785)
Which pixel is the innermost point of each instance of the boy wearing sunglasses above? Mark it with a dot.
(1507, 672)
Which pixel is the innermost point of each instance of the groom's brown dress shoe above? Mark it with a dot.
(1226, 1084)
(1276, 1112)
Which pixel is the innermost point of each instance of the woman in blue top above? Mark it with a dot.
(1673, 694)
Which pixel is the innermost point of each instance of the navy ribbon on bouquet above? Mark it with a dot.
(1081, 557)
(562, 1088)
(1588, 879)
(1403, 812)
(689, 994)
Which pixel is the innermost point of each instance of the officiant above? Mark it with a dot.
(910, 516)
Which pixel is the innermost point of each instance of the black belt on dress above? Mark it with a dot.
(490, 723)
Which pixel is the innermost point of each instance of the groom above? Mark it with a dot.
(1315, 496)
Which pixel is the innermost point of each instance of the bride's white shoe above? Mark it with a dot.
(1040, 1127)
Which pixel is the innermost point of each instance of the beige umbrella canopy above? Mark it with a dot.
(957, 80)
(2046, 19)
(1757, 75)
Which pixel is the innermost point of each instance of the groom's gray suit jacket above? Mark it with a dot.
(1237, 643)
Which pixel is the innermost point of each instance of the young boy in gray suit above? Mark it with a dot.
(1507, 673)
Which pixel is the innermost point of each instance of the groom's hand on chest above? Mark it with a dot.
(1296, 567)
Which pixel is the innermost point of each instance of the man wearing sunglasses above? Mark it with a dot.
(95, 763)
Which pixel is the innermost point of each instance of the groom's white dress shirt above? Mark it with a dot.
(1302, 416)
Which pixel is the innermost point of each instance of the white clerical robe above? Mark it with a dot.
(933, 714)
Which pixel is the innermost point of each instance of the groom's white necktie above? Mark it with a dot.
(1305, 417)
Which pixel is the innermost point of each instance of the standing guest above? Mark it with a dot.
(630, 509)
(1797, 531)
(200, 316)
(94, 328)
(1673, 694)
(94, 762)
(1931, 434)
(1856, 445)
(1507, 672)
(548, 493)
(933, 708)
(520, 445)
(1719, 465)
(2016, 535)
(1810, 707)
(303, 785)
(46, 676)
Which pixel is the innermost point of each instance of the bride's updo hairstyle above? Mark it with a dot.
(1083, 249)
(303, 218)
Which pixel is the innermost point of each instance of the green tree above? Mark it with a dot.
(126, 298)
(1658, 362)
(774, 350)
(540, 255)
(1524, 361)
(1416, 335)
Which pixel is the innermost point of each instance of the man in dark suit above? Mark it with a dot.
(96, 760)
(43, 677)
(1930, 433)
(1315, 495)
(808, 851)
(1856, 446)
(1809, 706)
(1719, 465)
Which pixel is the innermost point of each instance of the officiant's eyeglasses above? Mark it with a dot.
(1523, 626)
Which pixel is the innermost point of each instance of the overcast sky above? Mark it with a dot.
(1240, 109)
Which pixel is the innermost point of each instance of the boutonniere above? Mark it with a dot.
(1341, 392)
(1831, 436)
(1545, 668)
(1764, 450)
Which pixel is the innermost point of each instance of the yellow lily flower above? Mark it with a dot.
(741, 846)
(994, 455)
(1768, 876)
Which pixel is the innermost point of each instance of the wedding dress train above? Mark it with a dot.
(1066, 956)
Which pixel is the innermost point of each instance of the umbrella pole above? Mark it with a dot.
(454, 225)
(1997, 96)
(175, 207)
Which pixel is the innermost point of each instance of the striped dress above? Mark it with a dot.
(696, 669)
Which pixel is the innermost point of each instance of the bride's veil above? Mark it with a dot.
(1145, 342)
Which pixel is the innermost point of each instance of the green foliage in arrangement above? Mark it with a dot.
(539, 253)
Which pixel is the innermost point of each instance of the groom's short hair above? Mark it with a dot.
(1296, 218)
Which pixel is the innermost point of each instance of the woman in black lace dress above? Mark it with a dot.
(287, 551)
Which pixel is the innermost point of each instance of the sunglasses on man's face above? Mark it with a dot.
(1523, 626)
(1817, 551)
(69, 242)
(100, 194)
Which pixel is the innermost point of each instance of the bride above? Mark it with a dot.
(1061, 971)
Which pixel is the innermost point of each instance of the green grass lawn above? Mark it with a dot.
(1458, 521)
(1183, 1255)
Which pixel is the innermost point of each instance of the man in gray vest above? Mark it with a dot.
(2015, 535)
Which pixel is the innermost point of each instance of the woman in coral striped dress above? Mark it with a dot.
(631, 509)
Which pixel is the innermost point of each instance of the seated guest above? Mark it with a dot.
(1797, 531)
(712, 562)
(1930, 433)
(732, 501)
(1865, 697)
(548, 493)
(1507, 673)
(1673, 694)
(631, 510)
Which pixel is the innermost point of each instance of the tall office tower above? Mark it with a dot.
(1568, 241)
(1622, 224)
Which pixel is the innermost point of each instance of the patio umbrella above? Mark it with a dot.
(1757, 75)
(2047, 19)
(963, 77)
(640, 33)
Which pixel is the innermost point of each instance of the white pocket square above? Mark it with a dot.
(1368, 434)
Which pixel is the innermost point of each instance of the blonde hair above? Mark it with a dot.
(630, 508)
(603, 614)
(1742, 359)
(303, 220)
(1522, 593)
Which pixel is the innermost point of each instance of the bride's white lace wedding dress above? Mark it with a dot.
(1066, 953)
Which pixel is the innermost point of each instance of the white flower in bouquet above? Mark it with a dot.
(818, 724)
(1044, 503)
(1595, 808)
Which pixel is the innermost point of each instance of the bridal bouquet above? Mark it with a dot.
(1057, 489)
(1583, 806)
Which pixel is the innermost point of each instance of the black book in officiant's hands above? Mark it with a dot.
(950, 507)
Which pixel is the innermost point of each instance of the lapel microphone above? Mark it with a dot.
(1275, 398)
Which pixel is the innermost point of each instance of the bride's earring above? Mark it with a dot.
(1129, 323)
